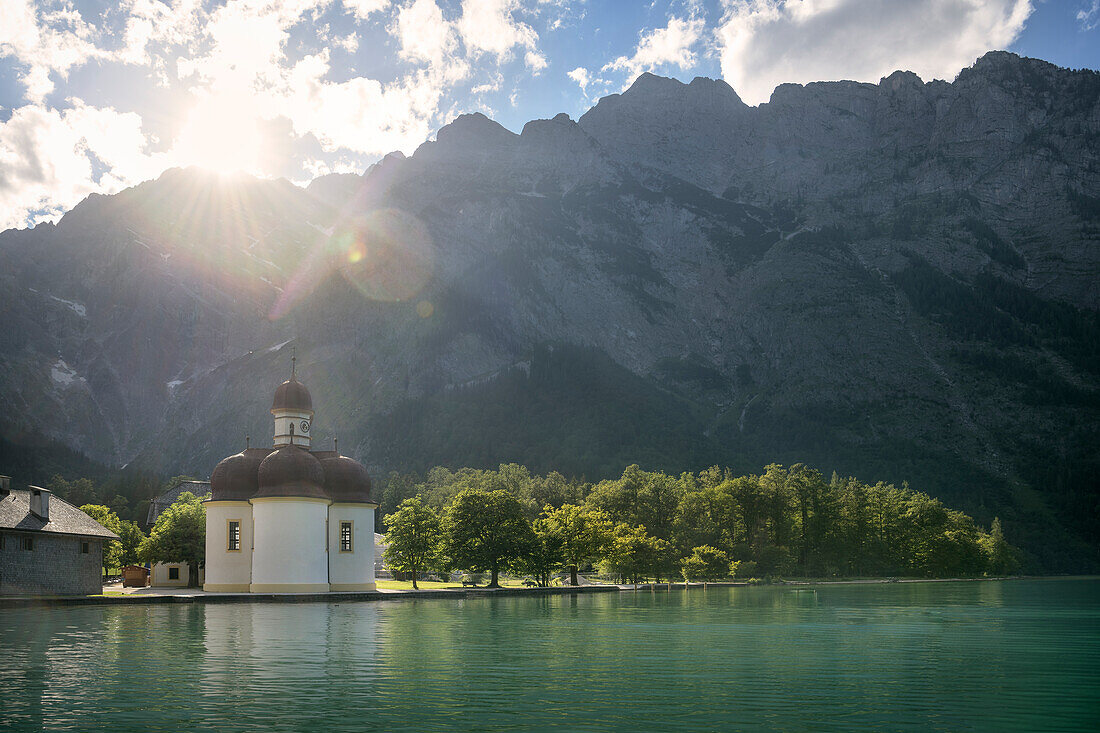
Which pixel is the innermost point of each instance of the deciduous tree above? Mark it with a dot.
(585, 534)
(111, 548)
(414, 537)
(705, 563)
(179, 536)
(486, 530)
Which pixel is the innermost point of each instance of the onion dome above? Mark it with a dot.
(292, 395)
(291, 471)
(234, 478)
(346, 480)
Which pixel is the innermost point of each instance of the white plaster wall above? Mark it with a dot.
(289, 546)
(355, 568)
(284, 419)
(158, 575)
(223, 566)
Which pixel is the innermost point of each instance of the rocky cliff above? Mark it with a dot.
(895, 280)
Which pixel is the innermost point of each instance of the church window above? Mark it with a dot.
(28, 543)
(234, 535)
(84, 549)
(173, 573)
(345, 537)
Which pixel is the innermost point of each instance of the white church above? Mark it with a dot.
(289, 519)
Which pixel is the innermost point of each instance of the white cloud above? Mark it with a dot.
(362, 9)
(425, 35)
(488, 26)
(45, 42)
(535, 61)
(663, 47)
(767, 42)
(1089, 18)
(580, 75)
(47, 156)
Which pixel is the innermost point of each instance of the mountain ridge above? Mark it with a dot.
(894, 280)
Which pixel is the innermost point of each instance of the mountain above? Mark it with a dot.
(892, 280)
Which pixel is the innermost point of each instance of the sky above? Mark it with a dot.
(98, 95)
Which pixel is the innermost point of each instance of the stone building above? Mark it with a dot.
(173, 574)
(290, 518)
(47, 545)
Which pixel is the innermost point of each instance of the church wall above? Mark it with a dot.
(228, 571)
(290, 553)
(289, 426)
(351, 570)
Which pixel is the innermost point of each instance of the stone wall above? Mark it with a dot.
(55, 565)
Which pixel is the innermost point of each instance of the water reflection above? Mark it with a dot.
(1023, 655)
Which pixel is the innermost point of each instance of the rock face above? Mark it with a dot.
(896, 281)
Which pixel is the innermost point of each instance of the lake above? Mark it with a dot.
(1004, 655)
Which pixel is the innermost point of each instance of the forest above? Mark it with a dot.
(783, 522)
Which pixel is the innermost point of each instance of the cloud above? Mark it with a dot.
(50, 160)
(362, 9)
(763, 43)
(488, 26)
(1089, 18)
(44, 43)
(425, 35)
(663, 47)
(580, 75)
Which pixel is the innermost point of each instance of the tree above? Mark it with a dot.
(634, 553)
(76, 492)
(545, 552)
(705, 563)
(111, 548)
(1000, 557)
(179, 536)
(131, 537)
(486, 530)
(415, 535)
(585, 534)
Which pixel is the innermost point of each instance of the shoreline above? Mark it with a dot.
(199, 596)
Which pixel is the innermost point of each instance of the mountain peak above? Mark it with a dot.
(473, 128)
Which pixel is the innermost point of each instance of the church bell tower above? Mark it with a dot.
(293, 412)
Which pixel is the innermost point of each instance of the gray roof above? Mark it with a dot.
(15, 513)
(168, 498)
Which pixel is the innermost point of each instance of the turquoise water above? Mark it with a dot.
(1013, 655)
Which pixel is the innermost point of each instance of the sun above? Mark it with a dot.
(222, 135)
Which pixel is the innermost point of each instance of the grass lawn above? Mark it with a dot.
(432, 585)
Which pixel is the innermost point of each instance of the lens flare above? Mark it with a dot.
(390, 257)
(386, 255)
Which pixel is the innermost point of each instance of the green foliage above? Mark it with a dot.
(1000, 557)
(743, 569)
(179, 536)
(585, 534)
(486, 530)
(785, 521)
(106, 517)
(415, 538)
(545, 554)
(131, 537)
(634, 554)
(705, 563)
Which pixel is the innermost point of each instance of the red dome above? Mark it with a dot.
(292, 395)
(234, 479)
(291, 471)
(346, 480)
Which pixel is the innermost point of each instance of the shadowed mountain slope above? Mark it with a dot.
(893, 280)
